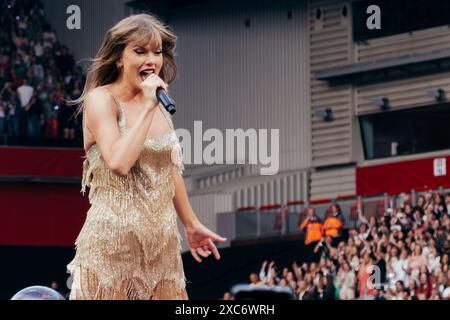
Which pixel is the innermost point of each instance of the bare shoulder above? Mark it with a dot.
(99, 98)
(99, 104)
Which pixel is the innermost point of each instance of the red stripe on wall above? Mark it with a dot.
(41, 214)
(41, 162)
(404, 176)
(320, 201)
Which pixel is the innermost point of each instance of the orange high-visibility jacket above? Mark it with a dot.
(313, 230)
(332, 226)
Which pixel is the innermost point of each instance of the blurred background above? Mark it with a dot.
(364, 142)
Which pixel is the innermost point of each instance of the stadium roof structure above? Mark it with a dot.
(392, 68)
(168, 4)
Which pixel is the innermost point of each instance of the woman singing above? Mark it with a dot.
(129, 246)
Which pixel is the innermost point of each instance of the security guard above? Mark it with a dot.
(313, 226)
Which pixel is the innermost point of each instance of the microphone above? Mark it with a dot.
(165, 100)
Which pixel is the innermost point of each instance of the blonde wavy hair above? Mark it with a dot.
(144, 29)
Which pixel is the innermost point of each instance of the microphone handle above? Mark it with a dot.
(165, 100)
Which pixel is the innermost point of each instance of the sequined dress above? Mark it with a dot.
(129, 246)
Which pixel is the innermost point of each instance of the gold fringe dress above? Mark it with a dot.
(129, 246)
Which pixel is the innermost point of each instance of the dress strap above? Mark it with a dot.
(164, 114)
(122, 119)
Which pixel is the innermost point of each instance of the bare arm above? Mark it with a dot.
(199, 237)
(119, 153)
(361, 217)
(181, 202)
(181, 199)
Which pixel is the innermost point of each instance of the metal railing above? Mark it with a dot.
(281, 220)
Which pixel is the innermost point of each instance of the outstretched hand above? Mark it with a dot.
(200, 240)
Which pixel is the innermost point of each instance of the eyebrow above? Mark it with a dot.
(146, 48)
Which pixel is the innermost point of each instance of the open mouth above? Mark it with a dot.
(145, 73)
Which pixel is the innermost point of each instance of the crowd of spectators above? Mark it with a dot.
(37, 76)
(400, 254)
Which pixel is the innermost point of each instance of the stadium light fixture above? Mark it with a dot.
(382, 103)
(325, 113)
(437, 93)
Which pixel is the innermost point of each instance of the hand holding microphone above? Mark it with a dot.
(165, 100)
(155, 87)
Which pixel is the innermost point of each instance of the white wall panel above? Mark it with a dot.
(233, 76)
(330, 46)
(332, 183)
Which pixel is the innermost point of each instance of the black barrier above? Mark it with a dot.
(276, 293)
